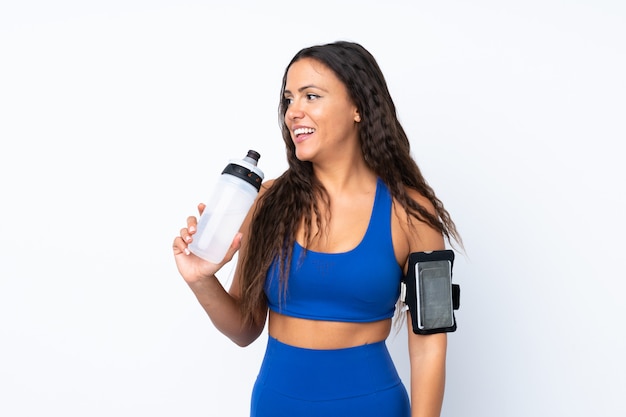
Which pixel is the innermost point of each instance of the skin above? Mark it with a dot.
(320, 103)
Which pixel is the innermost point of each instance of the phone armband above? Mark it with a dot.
(429, 294)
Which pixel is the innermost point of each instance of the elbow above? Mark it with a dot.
(242, 343)
(246, 338)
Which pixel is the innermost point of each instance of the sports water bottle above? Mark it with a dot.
(227, 208)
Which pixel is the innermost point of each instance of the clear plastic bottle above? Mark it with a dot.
(227, 208)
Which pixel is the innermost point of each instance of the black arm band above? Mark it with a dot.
(429, 294)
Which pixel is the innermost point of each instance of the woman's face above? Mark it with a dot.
(320, 115)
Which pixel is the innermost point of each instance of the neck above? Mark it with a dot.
(341, 179)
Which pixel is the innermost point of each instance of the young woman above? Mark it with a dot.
(323, 250)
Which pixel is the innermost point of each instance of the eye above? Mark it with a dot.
(287, 100)
(311, 96)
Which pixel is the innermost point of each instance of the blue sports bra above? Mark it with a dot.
(361, 285)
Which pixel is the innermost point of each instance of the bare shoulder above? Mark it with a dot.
(420, 236)
(265, 187)
(267, 184)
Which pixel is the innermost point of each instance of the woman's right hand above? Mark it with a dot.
(193, 268)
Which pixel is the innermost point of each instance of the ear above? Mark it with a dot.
(357, 116)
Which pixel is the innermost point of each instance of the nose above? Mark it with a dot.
(294, 111)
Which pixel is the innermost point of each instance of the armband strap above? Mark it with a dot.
(456, 296)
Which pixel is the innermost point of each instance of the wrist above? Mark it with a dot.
(201, 282)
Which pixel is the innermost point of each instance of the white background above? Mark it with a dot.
(116, 116)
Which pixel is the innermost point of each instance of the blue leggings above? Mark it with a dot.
(358, 381)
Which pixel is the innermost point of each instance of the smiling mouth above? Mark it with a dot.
(303, 131)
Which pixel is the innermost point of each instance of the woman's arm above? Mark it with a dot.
(427, 353)
(222, 306)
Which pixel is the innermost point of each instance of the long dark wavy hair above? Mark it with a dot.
(297, 195)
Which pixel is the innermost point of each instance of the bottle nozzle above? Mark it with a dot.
(252, 157)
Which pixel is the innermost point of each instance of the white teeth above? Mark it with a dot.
(303, 130)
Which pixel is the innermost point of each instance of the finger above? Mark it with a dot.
(192, 224)
(179, 246)
(236, 244)
(201, 208)
(185, 235)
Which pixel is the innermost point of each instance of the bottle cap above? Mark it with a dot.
(246, 169)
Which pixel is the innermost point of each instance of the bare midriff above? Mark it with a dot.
(319, 334)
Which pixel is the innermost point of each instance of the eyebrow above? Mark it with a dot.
(301, 89)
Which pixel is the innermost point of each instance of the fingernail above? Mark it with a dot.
(187, 238)
(192, 229)
(186, 251)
